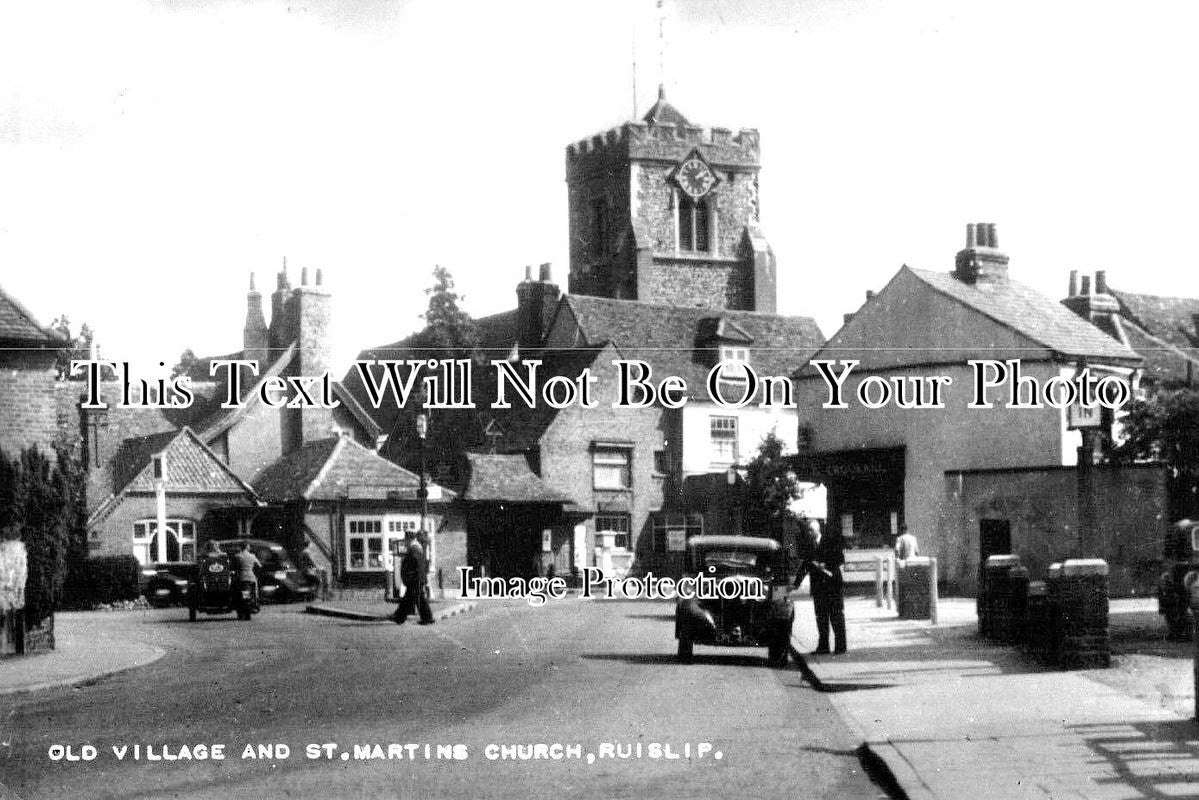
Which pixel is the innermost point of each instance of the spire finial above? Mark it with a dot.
(661, 91)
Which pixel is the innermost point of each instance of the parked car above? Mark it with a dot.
(278, 580)
(744, 621)
(1181, 552)
(166, 584)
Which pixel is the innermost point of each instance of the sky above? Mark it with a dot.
(154, 153)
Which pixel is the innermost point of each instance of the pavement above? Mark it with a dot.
(82, 653)
(950, 715)
(86, 653)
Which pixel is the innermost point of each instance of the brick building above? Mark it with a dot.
(291, 475)
(971, 482)
(28, 351)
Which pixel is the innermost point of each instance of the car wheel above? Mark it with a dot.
(777, 654)
(686, 650)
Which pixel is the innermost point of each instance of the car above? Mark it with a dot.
(745, 620)
(1181, 554)
(279, 580)
(166, 584)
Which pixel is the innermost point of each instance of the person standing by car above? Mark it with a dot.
(314, 576)
(246, 562)
(823, 564)
(413, 571)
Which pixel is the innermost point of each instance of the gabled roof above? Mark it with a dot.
(1163, 361)
(677, 340)
(507, 479)
(190, 467)
(17, 324)
(1167, 318)
(339, 468)
(1031, 314)
(221, 419)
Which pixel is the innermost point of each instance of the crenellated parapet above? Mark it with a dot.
(648, 141)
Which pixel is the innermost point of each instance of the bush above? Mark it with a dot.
(109, 579)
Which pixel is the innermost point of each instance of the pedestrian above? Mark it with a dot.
(413, 573)
(905, 545)
(825, 557)
(313, 575)
(246, 563)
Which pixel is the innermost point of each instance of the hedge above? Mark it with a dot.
(109, 579)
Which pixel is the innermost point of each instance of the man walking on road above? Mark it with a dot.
(413, 572)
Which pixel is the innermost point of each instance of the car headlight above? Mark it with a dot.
(281, 575)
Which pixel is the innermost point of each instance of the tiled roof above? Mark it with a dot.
(497, 336)
(507, 479)
(1164, 362)
(221, 419)
(18, 325)
(678, 340)
(191, 468)
(1167, 318)
(1031, 314)
(338, 468)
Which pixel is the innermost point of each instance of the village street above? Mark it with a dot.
(572, 672)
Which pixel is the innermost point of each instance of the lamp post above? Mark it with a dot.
(422, 491)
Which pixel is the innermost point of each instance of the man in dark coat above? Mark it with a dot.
(826, 555)
(413, 571)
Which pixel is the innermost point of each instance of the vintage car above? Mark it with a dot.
(279, 580)
(166, 584)
(1181, 554)
(742, 621)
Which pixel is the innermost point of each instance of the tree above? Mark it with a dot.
(187, 362)
(1166, 428)
(80, 349)
(449, 331)
(770, 487)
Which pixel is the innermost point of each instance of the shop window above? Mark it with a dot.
(368, 539)
(178, 546)
(610, 468)
(673, 531)
(724, 441)
(620, 524)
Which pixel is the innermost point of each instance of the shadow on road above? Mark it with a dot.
(1149, 757)
(669, 617)
(669, 658)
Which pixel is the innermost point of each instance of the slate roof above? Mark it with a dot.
(18, 325)
(507, 479)
(677, 340)
(1031, 314)
(338, 468)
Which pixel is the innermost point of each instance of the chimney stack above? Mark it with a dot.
(535, 305)
(981, 260)
(255, 337)
(1099, 308)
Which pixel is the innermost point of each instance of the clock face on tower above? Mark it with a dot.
(695, 177)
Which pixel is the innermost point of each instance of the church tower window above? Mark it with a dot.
(693, 225)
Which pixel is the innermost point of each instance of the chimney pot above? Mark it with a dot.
(969, 235)
(1086, 284)
(528, 272)
(252, 287)
(1073, 290)
(319, 276)
(980, 234)
(546, 273)
(304, 276)
(992, 236)
(1101, 281)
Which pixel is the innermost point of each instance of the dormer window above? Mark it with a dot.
(693, 225)
(735, 358)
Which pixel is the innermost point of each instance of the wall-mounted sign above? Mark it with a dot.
(1078, 416)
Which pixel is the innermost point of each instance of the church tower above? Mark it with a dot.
(663, 211)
